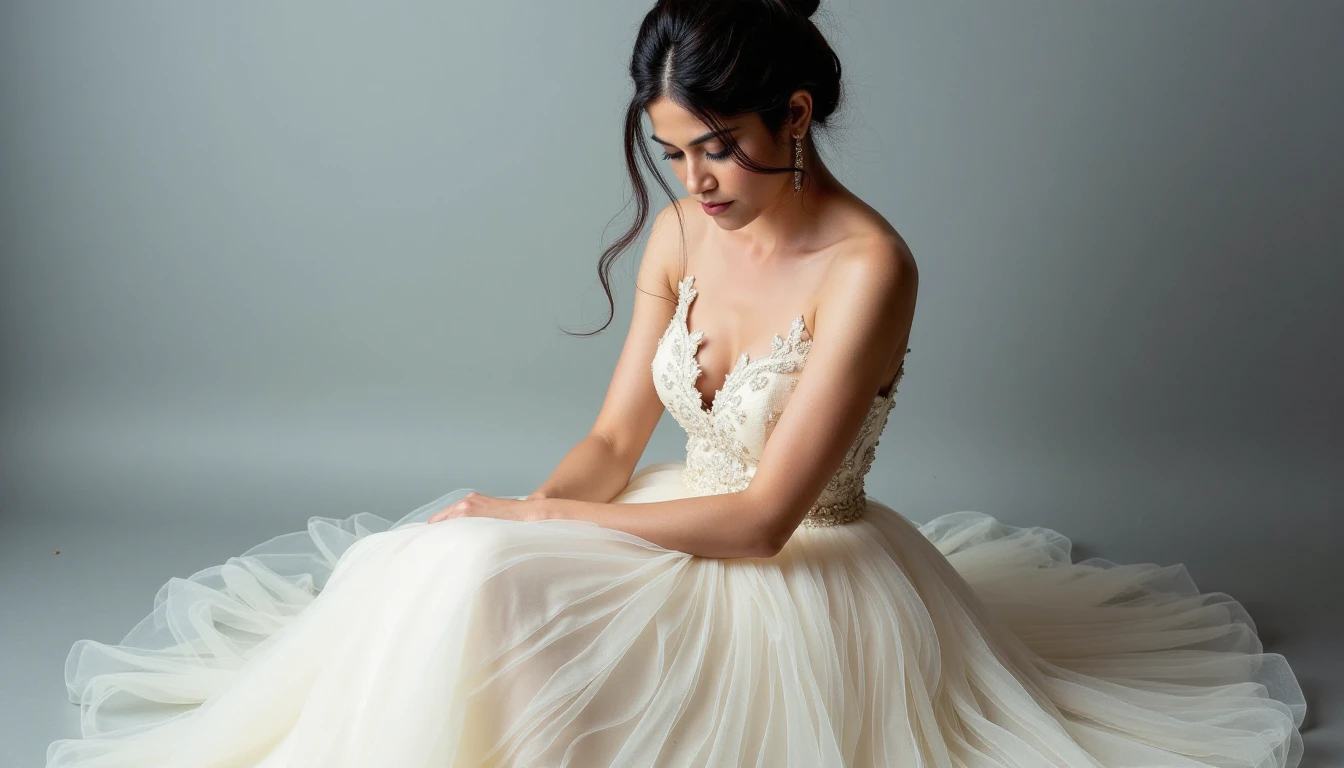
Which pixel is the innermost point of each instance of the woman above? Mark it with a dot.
(749, 605)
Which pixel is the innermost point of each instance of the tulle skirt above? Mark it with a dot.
(960, 643)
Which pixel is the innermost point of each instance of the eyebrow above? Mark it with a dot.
(700, 140)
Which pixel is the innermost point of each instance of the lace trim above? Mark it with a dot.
(778, 359)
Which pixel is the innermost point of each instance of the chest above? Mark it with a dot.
(745, 402)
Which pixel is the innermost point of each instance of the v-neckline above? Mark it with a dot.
(744, 359)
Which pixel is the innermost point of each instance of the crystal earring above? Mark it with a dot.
(797, 163)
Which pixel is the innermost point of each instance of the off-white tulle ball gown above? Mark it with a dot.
(868, 640)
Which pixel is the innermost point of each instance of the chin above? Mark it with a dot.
(728, 226)
(730, 223)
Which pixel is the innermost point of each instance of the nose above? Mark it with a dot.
(698, 178)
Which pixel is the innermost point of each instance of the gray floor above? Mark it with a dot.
(112, 561)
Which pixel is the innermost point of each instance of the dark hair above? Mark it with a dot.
(719, 59)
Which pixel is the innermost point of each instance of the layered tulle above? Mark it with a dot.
(961, 643)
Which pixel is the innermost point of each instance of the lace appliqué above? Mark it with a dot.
(722, 464)
(717, 461)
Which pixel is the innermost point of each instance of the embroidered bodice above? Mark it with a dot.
(725, 441)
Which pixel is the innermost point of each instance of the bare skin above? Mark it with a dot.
(759, 264)
(771, 256)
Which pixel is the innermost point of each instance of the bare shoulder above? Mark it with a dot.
(870, 229)
(873, 256)
(877, 272)
(868, 290)
(660, 270)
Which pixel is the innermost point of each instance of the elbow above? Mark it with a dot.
(761, 547)
(770, 532)
(774, 539)
(769, 546)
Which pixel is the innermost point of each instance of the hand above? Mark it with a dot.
(479, 505)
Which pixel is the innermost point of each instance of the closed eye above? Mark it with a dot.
(711, 155)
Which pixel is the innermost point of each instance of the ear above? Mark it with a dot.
(800, 113)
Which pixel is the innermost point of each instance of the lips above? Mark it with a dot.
(715, 208)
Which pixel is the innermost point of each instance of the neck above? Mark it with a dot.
(790, 220)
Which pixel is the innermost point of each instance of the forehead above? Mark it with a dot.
(673, 123)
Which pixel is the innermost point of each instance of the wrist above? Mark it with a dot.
(538, 507)
(555, 508)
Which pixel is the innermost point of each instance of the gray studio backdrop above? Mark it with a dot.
(263, 261)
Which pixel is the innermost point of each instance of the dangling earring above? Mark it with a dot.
(797, 163)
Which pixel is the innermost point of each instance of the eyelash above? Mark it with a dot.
(720, 156)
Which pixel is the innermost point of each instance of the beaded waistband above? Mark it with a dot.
(846, 511)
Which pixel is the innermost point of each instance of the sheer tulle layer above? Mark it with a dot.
(962, 643)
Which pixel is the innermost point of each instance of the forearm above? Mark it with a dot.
(591, 471)
(722, 525)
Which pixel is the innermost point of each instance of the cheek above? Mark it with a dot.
(738, 182)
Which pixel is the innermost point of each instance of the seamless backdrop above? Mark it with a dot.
(265, 261)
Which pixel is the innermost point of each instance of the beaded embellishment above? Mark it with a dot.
(724, 440)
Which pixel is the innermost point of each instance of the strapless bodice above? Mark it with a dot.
(725, 441)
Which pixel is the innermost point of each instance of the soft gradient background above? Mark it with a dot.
(264, 261)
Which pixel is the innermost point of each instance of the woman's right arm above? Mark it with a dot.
(600, 465)
(593, 470)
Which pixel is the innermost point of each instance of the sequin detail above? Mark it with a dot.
(724, 441)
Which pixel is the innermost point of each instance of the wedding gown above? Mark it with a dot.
(868, 640)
